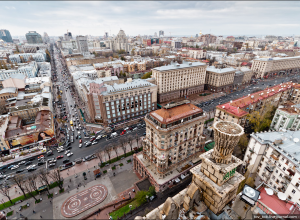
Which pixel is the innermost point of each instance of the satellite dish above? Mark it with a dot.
(281, 196)
(248, 191)
(296, 140)
(259, 197)
(269, 192)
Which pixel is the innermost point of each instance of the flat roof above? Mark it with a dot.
(277, 58)
(179, 66)
(221, 70)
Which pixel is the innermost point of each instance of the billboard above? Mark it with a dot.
(31, 138)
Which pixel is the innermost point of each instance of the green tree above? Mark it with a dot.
(132, 52)
(197, 46)
(152, 190)
(4, 65)
(122, 58)
(140, 196)
(243, 142)
(1, 67)
(48, 56)
(147, 75)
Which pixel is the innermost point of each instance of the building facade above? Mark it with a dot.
(265, 67)
(5, 36)
(29, 70)
(82, 44)
(179, 80)
(119, 42)
(286, 118)
(173, 139)
(34, 38)
(118, 103)
(274, 156)
(219, 79)
(40, 56)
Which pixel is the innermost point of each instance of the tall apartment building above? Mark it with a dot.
(208, 38)
(237, 110)
(173, 140)
(219, 79)
(118, 103)
(82, 44)
(265, 67)
(274, 156)
(119, 42)
(161, 33)
(68, 36)
(5, 36)
(179, 80)
(34, 38)
(46, 38)
(286, 117)
(4, 149)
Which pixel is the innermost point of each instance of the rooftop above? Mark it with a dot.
(8, 90)
(221, 70)
(179, 66)
(235, 107)
(169, 115)
(277, 58)
(289, 143)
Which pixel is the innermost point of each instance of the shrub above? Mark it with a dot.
(128, 161)
(105, 171)
(10, 213)
(121, 164)
(113, 168)
(61, 190)
(50, 195)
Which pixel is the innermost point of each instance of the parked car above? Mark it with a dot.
(80, 145)
(22, 162)
(20, 171)
(95, 142)
(66, 161)
(51, 165)
(28, 163)
(69, 154)
(15, 167)
(59, 157)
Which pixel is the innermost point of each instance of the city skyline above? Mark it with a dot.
(145, 18)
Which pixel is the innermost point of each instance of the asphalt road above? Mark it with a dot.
(77, 152)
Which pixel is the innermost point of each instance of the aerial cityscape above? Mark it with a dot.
(149, 110)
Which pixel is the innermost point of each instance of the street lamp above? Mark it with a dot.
(87, 163)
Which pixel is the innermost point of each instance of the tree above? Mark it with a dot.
(152, 190)
(248, 180)
(137, 138)
(108, 150)
(140, 196)
(22, 59)
(98, 154)
(122, 58)
(147, 75)
(197, 46)
(115, 148)
(20, 181)
(17, 49)
(29, 189)
(56, 177)
(132, 52)
(130, 141)
(48, 56)
(243, 142)
(4, 190)
(123, 142)
(261, 120)
(32, 179)
(4, 65)
(43, 177)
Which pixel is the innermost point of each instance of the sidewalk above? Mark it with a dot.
(78, 170)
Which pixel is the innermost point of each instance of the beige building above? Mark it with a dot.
(179, 80)
(173, 140)
(119, 103)
(275, 66)
(219, 79)
(3, 126)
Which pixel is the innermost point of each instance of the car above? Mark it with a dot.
(88, 144)
(80, 145)
(95, 142)
(10, 166)
(49, 153)
(15, 167)
(127, 128)
(22, 162)
(59, 157)
(98, 138)
(51, 160)
(51, 165)
(80, 141)
(28, 163)
(60, 150)
(122, 133)
(40, 157)
(152, 197)
(9, 177)
(20, 171)
(67, 151)
(70, 147)
(2, 176)
(79, 136)
(40, 163)
(78, 132)
(31, 166)
(69, 154)
(66, 161)
(135, 129)
(31, 169)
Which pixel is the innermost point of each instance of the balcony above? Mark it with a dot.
(288, 178)
(270, 168)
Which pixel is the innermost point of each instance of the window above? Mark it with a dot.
(293, 191)
(284, 169)
(280, 175)
(276, 171)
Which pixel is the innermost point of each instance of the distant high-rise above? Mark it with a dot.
(46, 38)
(155, 34)
(68, 36)
(196, 35)
(106, 35)
(34, 38)
(82, 44)
(161, 33)
(5, 36)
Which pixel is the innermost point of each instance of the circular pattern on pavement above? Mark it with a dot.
(83, 201)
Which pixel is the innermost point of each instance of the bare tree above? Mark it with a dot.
(29, 189)
(4, 190)
(108, 150)
(20, 181)
(56, 177)
(43, 177)
(115, 149)
(137, 138)
(123, 143)
(98, 154)
(32, 179)
(130, 141)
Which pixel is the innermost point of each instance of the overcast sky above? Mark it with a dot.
(138, 17)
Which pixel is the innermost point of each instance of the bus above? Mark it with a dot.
(71, 123)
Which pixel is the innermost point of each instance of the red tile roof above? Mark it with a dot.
(166, 116)
(235, 107)
(274, 203)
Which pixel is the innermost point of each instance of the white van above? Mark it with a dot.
(113, 134)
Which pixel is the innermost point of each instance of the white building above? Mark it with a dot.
(29, 70)
(39, 56)
(119, 42)
(275, 157)
(286, 118)
(82, 44)
(44, 69)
